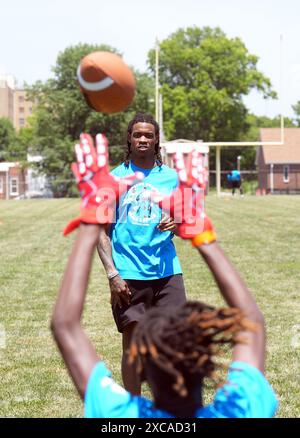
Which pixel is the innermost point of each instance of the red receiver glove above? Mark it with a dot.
(99, 190)
(186, 203)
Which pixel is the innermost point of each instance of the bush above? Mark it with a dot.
(250, 187)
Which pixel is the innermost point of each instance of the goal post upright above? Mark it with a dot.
(219, 144)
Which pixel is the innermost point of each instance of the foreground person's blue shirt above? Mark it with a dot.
(246, 394)
(140, 251)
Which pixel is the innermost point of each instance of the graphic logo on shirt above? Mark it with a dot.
(142, 210)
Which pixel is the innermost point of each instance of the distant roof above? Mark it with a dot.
(5, 165)
(289, 153)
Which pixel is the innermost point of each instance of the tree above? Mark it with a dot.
(14, 145)
(61, 114)
(254, 124)
(7, 137)
(296, 109)
(204, 76)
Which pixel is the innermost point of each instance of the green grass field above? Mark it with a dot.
(261, 235)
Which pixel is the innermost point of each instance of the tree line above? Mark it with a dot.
(204, 76)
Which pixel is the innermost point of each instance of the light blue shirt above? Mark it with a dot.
(140, 251)
(246, 394)
(235, 175)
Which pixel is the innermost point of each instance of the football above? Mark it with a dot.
(106, 82)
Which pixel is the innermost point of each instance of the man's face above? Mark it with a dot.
(143, 140)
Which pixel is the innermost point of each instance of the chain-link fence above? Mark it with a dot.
(249, 181)
(278, 180)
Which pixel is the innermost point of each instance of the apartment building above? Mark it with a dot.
(13, 102)
(22, 109)
(7, 92)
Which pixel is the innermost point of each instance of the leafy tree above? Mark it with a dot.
(22, 144)
(7, 138)
(296, 109)
(204, 76)
(61, 114)
(254, 124)
(14, 145)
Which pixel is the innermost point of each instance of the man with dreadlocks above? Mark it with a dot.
(177, 347)
(137, 251)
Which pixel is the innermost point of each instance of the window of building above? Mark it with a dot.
(1, 185)
(21, 99)
(14, 186)
(21, 109)
(286, 177)
(21, 122)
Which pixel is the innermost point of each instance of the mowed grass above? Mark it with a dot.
(261, 236)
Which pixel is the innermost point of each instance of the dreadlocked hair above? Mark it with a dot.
(186, 340)
(143, 118)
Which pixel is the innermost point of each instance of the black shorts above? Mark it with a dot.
(167, 291)
(236, 184)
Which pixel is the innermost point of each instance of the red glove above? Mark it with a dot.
(207, 236)
(186, 203)
(99, 190)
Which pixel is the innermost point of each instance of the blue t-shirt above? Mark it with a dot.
(246, 394)
(235, 175)
(140, 251)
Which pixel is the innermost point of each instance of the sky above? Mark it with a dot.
(33, 32)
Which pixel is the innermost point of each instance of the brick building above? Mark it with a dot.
(7, 89)
(279, 166)
(22, 108)
(13, 102)
(12, 180)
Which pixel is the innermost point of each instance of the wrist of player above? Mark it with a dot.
(199, 230)
(112, 274)
(207, 236)
(89, 234)
(94, 215)
(190, 227)
(86, 217)
(204, 239)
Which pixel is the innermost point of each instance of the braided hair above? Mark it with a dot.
(184, 342)
(143, 118)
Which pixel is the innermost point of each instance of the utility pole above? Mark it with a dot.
(157, 80)
(281, 91)
(161, 119)
(218, 170)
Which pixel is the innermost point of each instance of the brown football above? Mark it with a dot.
(106, 82)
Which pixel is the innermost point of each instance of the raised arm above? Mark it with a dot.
(75, 347)
(187, 207)
(99, 193)
(236, 294)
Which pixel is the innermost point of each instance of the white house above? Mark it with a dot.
(37, 184)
